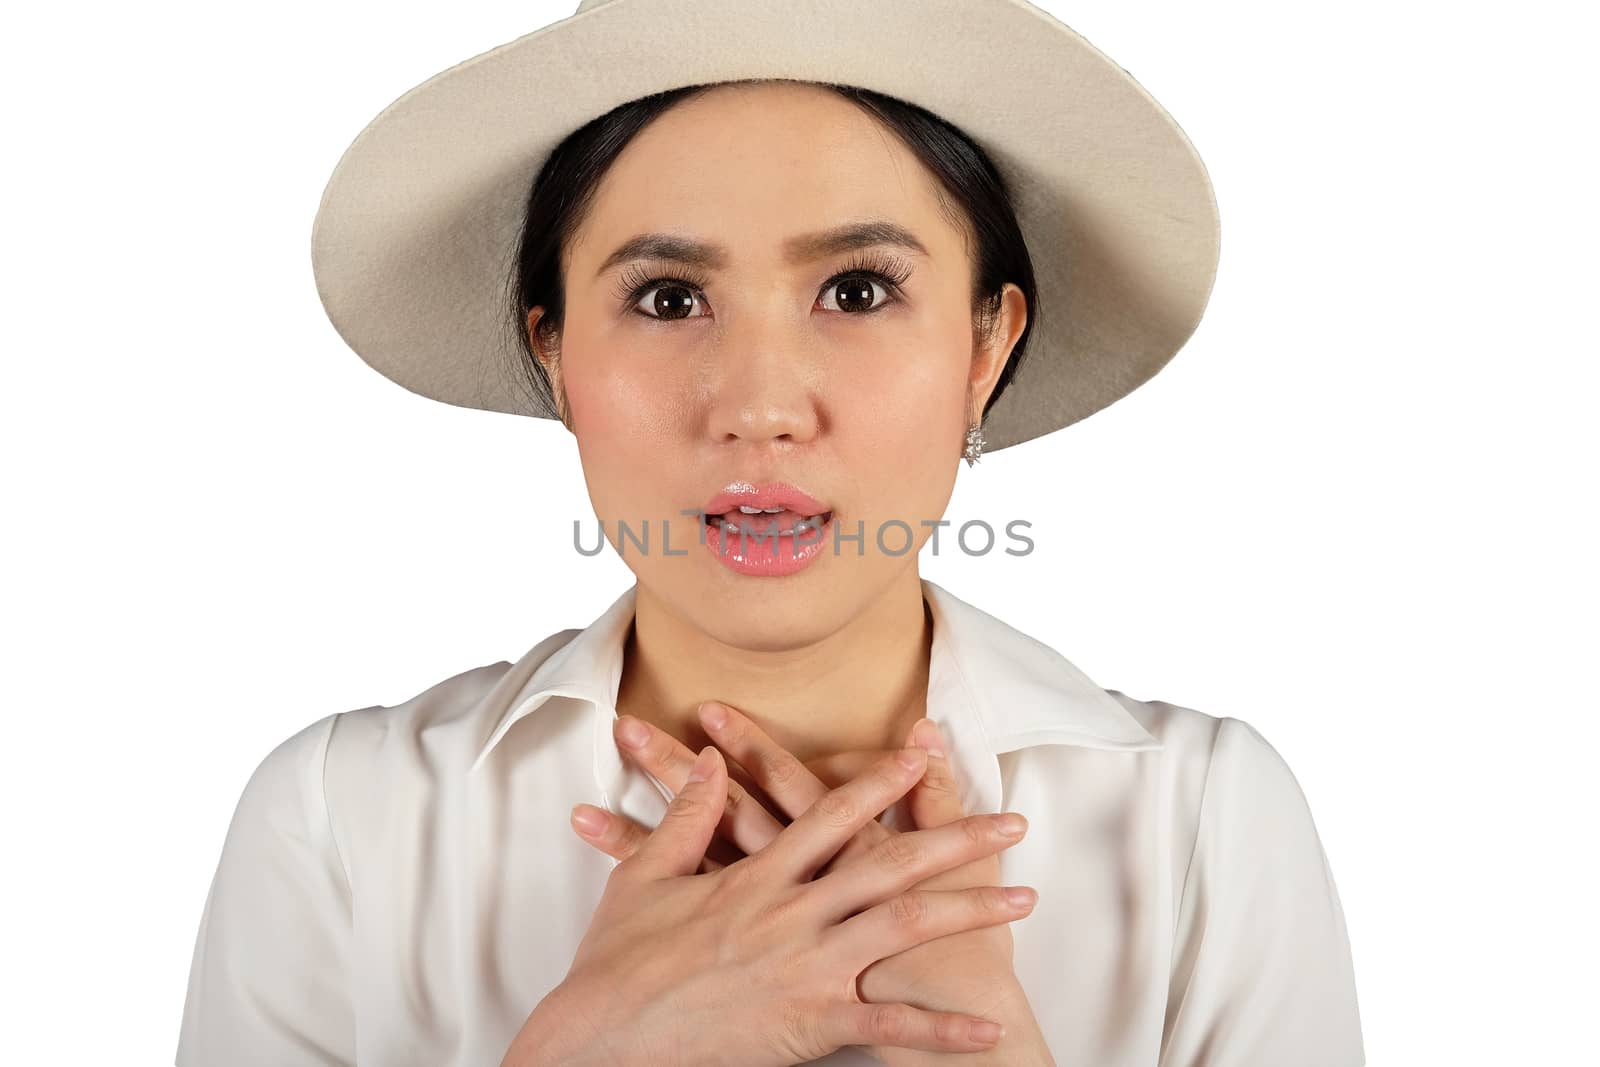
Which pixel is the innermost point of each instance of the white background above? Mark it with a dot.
(1356, 511)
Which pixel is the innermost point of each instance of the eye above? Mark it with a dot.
(856, 293)
(668, 298)
(855, 289)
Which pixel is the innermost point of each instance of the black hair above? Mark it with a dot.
(564, 190)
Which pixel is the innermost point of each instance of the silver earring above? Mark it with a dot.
(974, 447)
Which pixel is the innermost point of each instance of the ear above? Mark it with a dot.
(546, 347)
(990, 354)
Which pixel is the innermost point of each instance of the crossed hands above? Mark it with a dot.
(810, 929)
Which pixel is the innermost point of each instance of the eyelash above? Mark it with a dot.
(889, 271)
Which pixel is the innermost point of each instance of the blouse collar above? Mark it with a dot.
(991, 689)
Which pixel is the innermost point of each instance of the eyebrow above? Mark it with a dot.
(801, 249)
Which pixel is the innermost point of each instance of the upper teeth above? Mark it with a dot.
(810, 522)
(759, 511)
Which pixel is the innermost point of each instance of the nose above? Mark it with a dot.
(764, 386)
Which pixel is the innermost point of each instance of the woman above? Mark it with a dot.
(775, 301)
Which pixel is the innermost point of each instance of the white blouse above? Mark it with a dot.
(401, 885)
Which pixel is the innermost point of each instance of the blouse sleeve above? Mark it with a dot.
(1262, 973)
(269, 982)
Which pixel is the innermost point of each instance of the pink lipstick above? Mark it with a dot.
(768, 530)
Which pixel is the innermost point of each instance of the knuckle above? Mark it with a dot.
(778, 917)
(979, 831)
(887, 1023)
(889, 775)
(896, 853)
(797, 1023)
(623, 842)
(749, 876)
(909, 909)
(990, 899)
(837, 808)
(778, 768)
(686, 805)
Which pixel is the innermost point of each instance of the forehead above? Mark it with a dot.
(750, 165)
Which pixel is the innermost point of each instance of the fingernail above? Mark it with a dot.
(1021, 896)
(703, 765)
(987, 1031)
(588, 820)
(908, 757)
(714, 715)
(928, 737)
(1011, 824)
(632, 732)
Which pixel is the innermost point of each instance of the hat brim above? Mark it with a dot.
(417, 229)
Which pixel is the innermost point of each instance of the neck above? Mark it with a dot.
(857, 690)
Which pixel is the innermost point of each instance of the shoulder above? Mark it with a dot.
(435, 734)
(1242, 823)
(287, 793)
(282, 798)
(1215, 750)
(1231, 791)
(1262, 965)
(437, 730)
(431, 724)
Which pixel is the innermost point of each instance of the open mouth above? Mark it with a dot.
(760, 522)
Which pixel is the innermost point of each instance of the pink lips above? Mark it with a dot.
(773, 495)
(765, 551)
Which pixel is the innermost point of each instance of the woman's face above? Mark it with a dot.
(851, 373)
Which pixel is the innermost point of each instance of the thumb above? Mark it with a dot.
(936, 798)
(679, 842)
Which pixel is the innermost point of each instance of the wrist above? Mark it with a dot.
(558, 1034)
(1023, 1044)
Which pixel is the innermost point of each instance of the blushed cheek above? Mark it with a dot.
(907, 429)
(628, 432)
(626, 411)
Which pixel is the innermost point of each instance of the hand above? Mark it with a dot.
(756, 962)
(969, 971)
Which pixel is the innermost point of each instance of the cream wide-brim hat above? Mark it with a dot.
(418, 228)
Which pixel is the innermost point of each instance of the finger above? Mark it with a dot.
(936, 800)
(619, 837)
(679, 842)
(745, 821)
(615, 835)
(839, 814)
(909, 919)
(902, 1026)
(901, 861)
(650, 747)
(789, 783)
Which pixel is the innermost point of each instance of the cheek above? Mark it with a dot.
(623, 405)
(901, 411)
(628, 425)
(905, 387)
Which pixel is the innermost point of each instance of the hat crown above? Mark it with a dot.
(584, 5)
